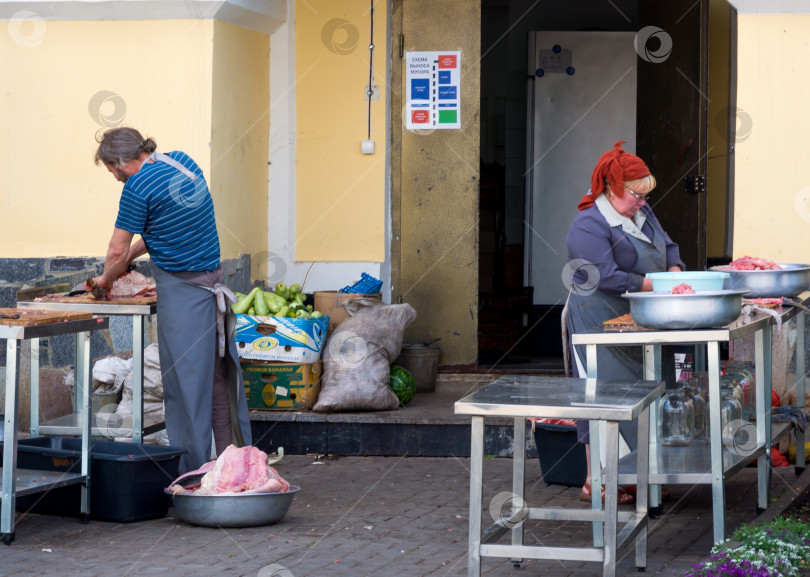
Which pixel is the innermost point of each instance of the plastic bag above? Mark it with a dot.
(109, 374)
(358, 355)
(118, 424)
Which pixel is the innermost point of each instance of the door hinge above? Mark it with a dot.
(695, 184)
(402, 46)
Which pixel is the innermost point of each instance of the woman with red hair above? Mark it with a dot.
(614, 240)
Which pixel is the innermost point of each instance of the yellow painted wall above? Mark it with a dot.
(240, 139)
(340, 193)
(54, 200)
(772, 192)
(158, 77)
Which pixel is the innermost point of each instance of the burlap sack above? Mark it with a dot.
(358, 355)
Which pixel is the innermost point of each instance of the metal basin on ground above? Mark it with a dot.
(703, 310)
(250, 510)
(791, 281)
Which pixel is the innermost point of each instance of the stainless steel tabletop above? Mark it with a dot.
(556, 397)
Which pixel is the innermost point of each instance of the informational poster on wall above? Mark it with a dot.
(433, 90)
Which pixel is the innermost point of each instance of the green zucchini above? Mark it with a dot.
(242, 306)
(261, 307)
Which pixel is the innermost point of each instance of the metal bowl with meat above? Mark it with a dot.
(245, 510)
(789, 280)
(239, 489)
(701, 310)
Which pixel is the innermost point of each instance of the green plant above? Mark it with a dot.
(779, 548)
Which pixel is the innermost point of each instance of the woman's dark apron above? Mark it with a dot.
(589, 312)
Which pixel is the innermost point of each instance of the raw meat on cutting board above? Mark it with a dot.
(131, 284)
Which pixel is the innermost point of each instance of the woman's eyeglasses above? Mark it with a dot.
(637, 195)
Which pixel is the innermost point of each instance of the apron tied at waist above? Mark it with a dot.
(221, 294)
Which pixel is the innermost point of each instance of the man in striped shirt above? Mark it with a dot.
(166, 201)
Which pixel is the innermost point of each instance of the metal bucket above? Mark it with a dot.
(422, 361)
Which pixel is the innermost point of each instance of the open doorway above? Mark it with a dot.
(519, 308)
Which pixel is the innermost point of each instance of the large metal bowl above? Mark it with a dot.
(703, 310)
(791, 281)
(251, 510)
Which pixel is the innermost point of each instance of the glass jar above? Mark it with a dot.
(731, 381)
(700, 381)
(701, 409)
(745, 378)
(730, 413)
(676, 417)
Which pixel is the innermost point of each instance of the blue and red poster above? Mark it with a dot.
(432, 90)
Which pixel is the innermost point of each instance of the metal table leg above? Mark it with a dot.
(763, 353)
(83, 377)
(7, 509)
(137, 378)
(642, 471)
(801, 367)
(34, 412)
(518, 483)
(652, 372)
(716, 443)
(611, 497)
(476, 495)
(594, 443)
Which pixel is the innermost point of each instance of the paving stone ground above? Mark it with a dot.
(382, 516)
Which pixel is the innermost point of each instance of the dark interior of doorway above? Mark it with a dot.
(513, 334)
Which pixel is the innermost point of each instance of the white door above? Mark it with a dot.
(582, 99)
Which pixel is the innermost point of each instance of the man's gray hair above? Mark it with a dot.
(118, 146)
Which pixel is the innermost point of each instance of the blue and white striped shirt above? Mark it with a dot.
(173, 214)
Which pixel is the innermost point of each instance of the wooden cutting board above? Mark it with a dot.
(28, 317)
(622, 321)
(90, 299)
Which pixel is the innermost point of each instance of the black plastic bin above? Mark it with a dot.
(126, 479)
(562, 458)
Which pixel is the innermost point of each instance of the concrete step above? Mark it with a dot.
(426, 427)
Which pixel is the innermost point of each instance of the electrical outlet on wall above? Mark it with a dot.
(367, 147)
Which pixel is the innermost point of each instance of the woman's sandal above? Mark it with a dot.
(625, 497)
(666, 494)
(585, 493)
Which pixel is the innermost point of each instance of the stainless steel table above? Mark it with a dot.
(69, 425)
(524, 396)
(705, 462)
(24, 482)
